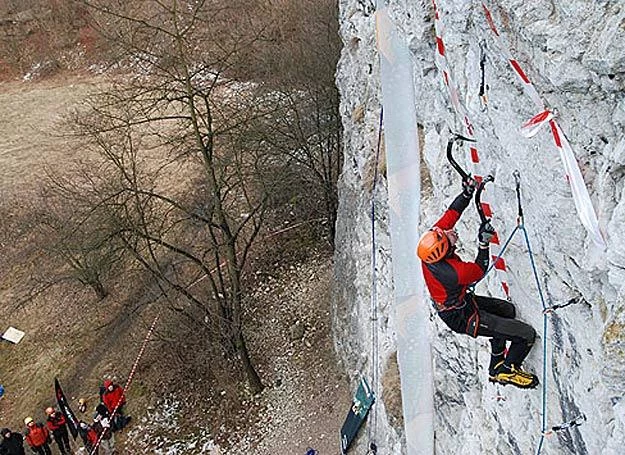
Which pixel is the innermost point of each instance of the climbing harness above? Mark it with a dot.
(581, 198)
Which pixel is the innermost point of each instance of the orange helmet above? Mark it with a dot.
(433, 246)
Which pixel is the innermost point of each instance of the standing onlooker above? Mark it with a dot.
(37, 437)
(12, 443)
(112, 397)
(58, 426)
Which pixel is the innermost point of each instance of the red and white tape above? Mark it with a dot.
(581, 197)
(463, 115)
(94, 450)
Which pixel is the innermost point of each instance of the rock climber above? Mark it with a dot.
(448, 277)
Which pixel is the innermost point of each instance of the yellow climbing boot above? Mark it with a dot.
(505, 375)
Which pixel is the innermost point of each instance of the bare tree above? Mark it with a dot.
(184, 179)
(78, 234)
(297, 62)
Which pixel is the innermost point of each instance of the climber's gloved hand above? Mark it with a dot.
(468, 187)
(485, 233)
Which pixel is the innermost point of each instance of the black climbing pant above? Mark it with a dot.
(61, 437)
(42, 450)
(493, 318)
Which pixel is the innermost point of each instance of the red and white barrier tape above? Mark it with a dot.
(581, 197)
(462, 113)
(129, 380)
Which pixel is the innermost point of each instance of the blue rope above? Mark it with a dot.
(520, 226)
(501, 252)
(542, 301)
(499, 256)
(374, 297)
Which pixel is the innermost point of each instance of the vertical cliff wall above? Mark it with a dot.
(573, 52)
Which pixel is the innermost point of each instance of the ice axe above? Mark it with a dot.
(478, 197)
(450, 148)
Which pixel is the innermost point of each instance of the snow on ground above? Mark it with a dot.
(307, 396)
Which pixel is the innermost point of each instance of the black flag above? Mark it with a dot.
(72, 421)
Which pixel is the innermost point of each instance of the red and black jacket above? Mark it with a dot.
(114, 398)
(56, 422)
(37, 435)
(447, 279)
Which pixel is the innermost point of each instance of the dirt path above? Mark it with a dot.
(309, 395)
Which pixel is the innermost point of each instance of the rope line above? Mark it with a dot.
(374, 297)
(581, 197)
(462, 113)
(128, 381)
(521, 227)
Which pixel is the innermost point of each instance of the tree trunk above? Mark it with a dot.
(99, 289)
(253, 379)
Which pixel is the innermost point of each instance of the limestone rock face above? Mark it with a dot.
(573, 53)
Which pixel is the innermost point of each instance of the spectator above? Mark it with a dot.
(12, 443)
(113, 397)
(102, 426)
(37, 437)
(58, 426)
(89, 437)
(82, 405)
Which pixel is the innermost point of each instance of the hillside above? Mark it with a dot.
(81, 340)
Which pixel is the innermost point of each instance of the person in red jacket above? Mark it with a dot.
(57, 424)
(89, 436)
(448, 277)
(112, 397)
(37, 436)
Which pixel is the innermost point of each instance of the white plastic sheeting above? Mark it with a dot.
(404, 191)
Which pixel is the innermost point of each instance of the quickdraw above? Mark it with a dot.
(576, 422)
(553, 308)
(483, 87)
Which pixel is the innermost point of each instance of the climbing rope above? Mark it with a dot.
(129, 380)
(546, 311)
(375, 362)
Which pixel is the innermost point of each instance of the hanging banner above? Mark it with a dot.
(411, 309)
(72, 421)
